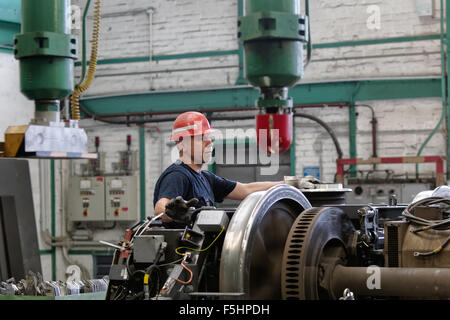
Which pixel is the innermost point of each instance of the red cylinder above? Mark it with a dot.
(274, 132)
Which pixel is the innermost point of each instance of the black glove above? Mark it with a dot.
(181, 210)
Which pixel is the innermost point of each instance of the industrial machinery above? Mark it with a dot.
(228, 253)
(46, 51)
(276, 245)
(273, 34)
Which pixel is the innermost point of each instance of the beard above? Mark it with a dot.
(207, 156)
(202, 158)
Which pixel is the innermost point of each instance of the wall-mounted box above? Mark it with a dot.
(121, 199)
(86, 198)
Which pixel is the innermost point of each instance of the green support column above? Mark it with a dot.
(241, 78)
(352, 136)
(447, 43)
(142, 171)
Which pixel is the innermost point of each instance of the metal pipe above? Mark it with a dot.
(374, 129)
(176, 112)
(431, 283)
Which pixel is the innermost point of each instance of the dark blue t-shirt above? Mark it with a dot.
(181, 180)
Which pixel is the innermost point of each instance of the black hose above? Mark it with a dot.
(327, 128)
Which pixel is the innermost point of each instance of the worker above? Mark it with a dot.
(184, 184)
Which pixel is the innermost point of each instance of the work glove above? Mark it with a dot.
(308, 182)
(181, 210)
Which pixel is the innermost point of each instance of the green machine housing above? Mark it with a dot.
(273, 33)
(46, 50)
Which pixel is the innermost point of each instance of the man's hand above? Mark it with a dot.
(307, 182)
(179, 209)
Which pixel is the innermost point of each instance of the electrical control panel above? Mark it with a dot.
(101, 196)
(111, 198)
(86, 198)
(121, 198)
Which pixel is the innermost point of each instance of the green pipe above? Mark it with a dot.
(10, 11)
(244, 96)
(447, 106)
(443, 89)
(7, 32)
(205, 54)
(142, 171)
(352, 137)
(53, 218)
(83, 61)
(292, 153)
(189, 55)
(241, 78)
(6, 49)
(341, 44)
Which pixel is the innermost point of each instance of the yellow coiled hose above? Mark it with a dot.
(75, 98)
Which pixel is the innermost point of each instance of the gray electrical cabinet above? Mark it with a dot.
(121, 198)
(110, 198)
(86, 198)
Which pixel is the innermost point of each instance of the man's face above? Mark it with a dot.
(198, 148)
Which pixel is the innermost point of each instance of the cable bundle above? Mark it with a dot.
(426, 224)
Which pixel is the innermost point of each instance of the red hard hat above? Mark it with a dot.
(189, 124)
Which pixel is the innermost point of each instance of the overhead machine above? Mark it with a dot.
(46, 51)
(287, 243)
(273, 34)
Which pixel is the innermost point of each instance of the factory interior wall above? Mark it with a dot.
(189, 27)
(16, 109)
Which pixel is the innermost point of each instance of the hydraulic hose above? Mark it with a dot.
(309, 45)
(327, 128)
(83, 50)
(75, 98)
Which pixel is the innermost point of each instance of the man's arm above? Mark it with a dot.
(242, 190)
(160, 207)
